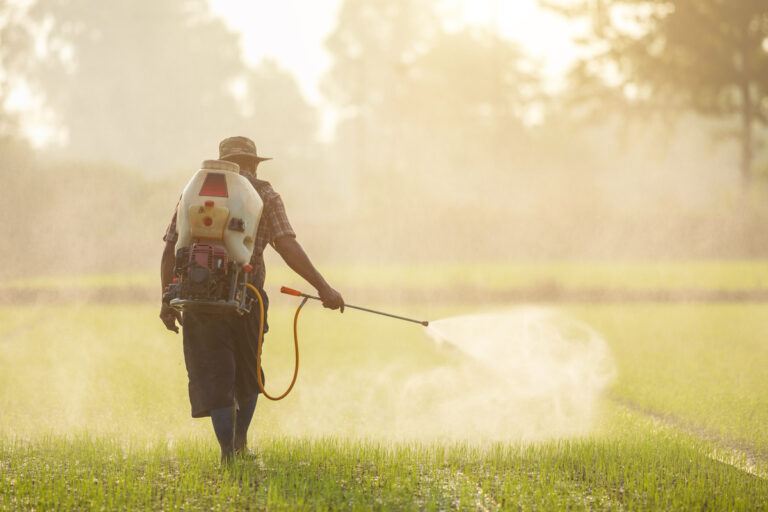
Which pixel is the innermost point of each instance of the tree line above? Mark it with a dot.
(144, 82)
(461, 119)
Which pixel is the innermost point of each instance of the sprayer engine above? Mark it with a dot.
(206, 279)
(217, 218)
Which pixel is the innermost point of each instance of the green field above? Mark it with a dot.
(94, 413)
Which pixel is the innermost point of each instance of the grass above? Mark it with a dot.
(94, 414)
(641, 469)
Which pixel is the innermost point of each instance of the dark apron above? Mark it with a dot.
(220, 355)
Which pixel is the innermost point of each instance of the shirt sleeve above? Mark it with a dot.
(276, 220)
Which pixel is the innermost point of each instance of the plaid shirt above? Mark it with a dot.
(273, 225)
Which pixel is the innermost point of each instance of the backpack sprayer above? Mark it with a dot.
(217, 219)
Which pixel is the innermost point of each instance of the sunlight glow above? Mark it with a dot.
(293, 32)
(542, 34)
(38, 122)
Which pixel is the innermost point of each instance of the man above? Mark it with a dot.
(220, 349)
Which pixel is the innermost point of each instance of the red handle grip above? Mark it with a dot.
(290, 291)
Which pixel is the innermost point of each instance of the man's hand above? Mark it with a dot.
(170, 316)
(331, 298)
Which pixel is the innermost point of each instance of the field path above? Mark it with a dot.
(544, 292)
(727, 451)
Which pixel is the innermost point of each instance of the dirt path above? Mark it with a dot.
(724, 450)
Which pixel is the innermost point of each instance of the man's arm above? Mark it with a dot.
(168, 315)
(167, 263)
(293, 254)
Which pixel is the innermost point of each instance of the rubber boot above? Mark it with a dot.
(223, 420)
(242, 422)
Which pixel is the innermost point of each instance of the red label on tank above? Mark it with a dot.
(214, 185)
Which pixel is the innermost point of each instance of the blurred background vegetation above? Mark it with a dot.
(450, 143)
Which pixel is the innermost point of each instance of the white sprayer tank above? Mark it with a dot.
(220, 207)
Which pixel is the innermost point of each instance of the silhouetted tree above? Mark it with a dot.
(276, 114)
(468, 95)
(709, 56)
(139, 82)
(151, 83)
(372, 46)
(412, 94)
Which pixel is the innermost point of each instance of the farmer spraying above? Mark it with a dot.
(213, 270)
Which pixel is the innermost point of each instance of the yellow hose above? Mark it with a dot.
(261, 341)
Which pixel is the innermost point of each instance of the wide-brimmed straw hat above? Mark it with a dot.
(239, 146)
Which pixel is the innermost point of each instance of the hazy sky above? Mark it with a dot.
(294, 31)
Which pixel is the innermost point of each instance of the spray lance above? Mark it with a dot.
(306, 297)
(296, 293)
